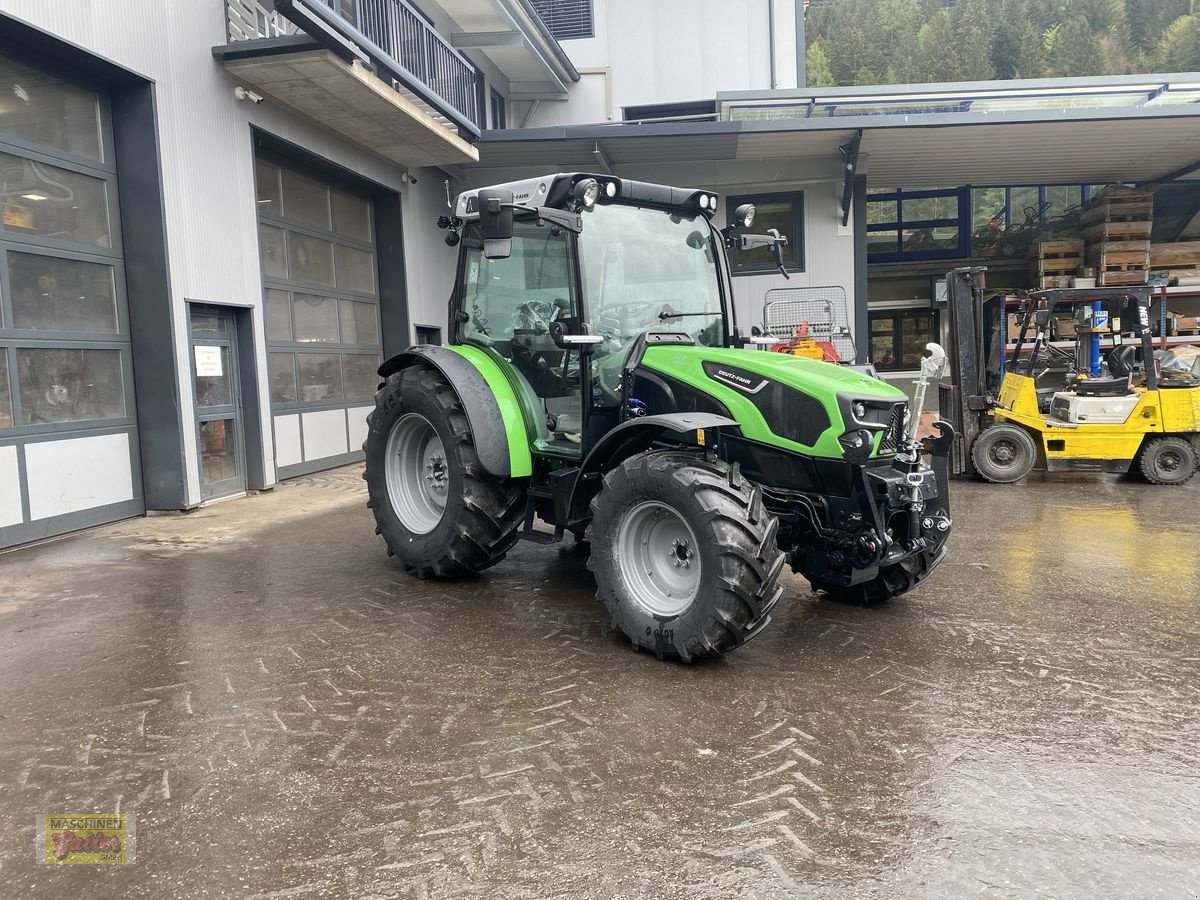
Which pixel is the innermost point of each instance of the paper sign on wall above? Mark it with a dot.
(208, 362)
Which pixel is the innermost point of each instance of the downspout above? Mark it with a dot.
(771, 40)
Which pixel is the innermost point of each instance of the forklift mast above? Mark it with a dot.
(964, 402)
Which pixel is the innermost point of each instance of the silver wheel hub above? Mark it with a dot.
(656, 555)
(418, 479)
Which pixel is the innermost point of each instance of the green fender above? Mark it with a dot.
(488, 399)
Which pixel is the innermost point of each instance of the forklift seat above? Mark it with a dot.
(1103, 387)
(1121, 361)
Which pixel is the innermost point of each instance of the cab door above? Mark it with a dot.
(509, 305)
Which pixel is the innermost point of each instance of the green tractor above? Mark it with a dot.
(595, 379)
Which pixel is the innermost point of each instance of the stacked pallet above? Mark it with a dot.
(1116, 226)
(1178, 260)
(1053, 264)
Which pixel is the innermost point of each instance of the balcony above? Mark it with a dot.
(372, 70)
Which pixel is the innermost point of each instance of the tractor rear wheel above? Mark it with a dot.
(1003, 454)
(1167, 460)
(439, 511)
(685, 554)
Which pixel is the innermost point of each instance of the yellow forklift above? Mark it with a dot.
(1129, 419)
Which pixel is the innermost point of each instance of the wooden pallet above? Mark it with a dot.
(1118, 230)
(1117, 211)
(1108, 278)
(1064, 265)
(1046, 282)
(1179, 255)
(1119, 254)
(1054, 249)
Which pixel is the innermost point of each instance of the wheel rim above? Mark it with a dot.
(658, 559)
(1169, 462)
(418, 480)
(1003, 453)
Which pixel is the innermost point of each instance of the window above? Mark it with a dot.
(899, 336)
(60, 384)
(1003, 219)
(782, 211)
(915, 224)
(44, 110)
(510, 304)
(499, 111)
(566, 19)
(429, 334)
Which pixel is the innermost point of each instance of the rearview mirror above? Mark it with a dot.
(496, 222)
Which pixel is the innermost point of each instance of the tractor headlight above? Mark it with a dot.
(743, 216)
(857, 445)
(859, 409)
(610, 189)
(703, 201)
(587, 192)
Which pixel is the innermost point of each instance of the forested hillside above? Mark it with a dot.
(915, 41)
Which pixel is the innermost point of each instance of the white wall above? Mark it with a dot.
(207, 157)
(668, 51)
(430, 264)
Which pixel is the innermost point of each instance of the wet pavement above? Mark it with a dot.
(287, 715)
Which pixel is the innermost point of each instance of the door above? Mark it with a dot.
(321, 296)
(68, 428)
(218, 402)
(510, 304)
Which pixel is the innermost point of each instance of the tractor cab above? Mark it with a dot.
(565, 277)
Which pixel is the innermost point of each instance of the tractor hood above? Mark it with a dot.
(798, 404)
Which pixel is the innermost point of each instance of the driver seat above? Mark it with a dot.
(1120, 364)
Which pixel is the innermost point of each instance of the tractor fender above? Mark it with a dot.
(486, 397)
(629, 439)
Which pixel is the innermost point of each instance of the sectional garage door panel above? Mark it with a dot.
(321, 308)
(68, 431)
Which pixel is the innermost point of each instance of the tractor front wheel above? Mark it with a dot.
(684, 554)
(440, 512)
(1167, 460)
(1003, 454)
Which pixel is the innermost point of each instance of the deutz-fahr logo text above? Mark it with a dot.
(743, 381)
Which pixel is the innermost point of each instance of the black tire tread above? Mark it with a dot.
(491, 508)
(733, 506)
(1145, 459)
(1020, 435)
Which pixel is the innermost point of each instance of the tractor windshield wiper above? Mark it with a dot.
(663, 316)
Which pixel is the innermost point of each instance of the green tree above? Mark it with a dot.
(1073, 50)
(972, 28)
(1179, 49)
(816, 62)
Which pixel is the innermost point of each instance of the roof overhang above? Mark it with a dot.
(347, 98)
(513, 39)
(1077, 146)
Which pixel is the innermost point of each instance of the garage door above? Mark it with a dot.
(321, 302)
(68, 440)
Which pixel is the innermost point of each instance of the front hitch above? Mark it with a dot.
(939, 448)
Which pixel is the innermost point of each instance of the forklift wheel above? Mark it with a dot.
(1003, 454)
(1167, 460)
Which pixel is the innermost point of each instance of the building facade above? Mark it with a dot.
(218, 215)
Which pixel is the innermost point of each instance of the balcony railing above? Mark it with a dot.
(396, 39)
